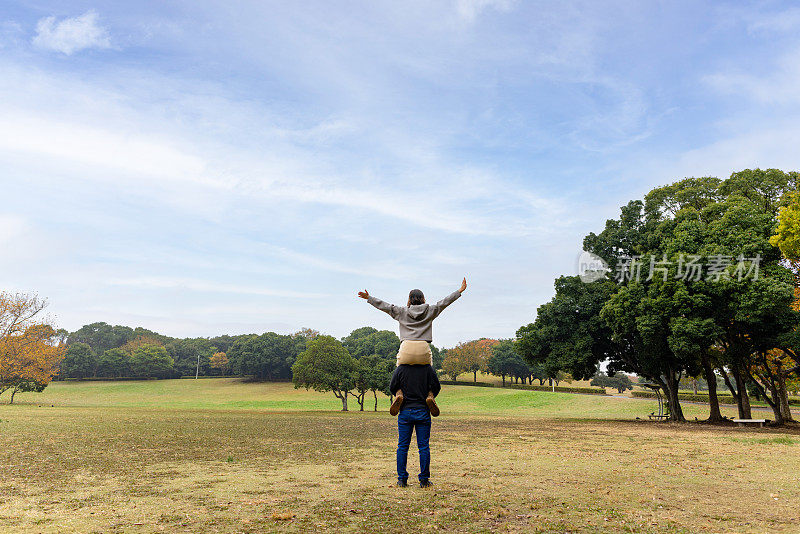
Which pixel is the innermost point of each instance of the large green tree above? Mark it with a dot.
(688, 309)
(325, 366)
(569, 333)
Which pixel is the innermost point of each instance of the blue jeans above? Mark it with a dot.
(408, 419)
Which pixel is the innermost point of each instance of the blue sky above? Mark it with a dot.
(201, 168)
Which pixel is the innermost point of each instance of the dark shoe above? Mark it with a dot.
(402, 483)
(432, 407)
(394, 409)
(425, 484)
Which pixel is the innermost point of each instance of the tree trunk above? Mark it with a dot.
(343, 398)
(671, 389)
(13, 392)
(376, 399)
(731, 388)
(783, 397)
(772, 402)
(475, 376)
(743, 401)
(714, 415)
(504, 380)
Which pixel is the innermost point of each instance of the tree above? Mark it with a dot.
(114, 363)
(569, 333)
(787, 235)
(452, 365)
(505, 361)
(437, 356)
(220, 361)
(30, 347)
(151, 361)
(140, 341)
(618, 381)
(80, 361)
(191, 355)
(307, 333)
(225, 342)
(266, 357)
(366, 341)
(102, 336)
(372, 373)
(325, 366)
(469, 357)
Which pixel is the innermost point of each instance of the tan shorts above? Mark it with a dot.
(414, 353)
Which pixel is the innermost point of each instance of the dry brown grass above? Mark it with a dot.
(147, 470)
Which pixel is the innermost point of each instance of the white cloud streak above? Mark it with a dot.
(204, 286)
(71, 35)
(469, 10)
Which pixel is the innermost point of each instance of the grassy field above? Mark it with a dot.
(223, 456)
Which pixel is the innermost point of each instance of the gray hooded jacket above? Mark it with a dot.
(416, 321)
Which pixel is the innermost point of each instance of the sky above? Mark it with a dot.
(202, 168)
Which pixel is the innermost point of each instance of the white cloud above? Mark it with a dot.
(99, 147)
(71, 35)
(106, 135)
(469, 10)
(205, 286)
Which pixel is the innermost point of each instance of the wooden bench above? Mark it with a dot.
(745, 422)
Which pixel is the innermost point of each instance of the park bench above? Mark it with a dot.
(660, 416)
(745, 422)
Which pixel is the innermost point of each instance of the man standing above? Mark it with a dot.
(416, 381)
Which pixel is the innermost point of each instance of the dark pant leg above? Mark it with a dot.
(404, 428)
(423, 431)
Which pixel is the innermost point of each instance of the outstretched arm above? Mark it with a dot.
(391, 309)
(449, 299)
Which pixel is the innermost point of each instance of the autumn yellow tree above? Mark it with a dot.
(469, 357)
(30, 347)
(220, 361)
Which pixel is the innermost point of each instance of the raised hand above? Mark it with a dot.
(463, 285)
(363, 294)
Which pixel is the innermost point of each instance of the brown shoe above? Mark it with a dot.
(394, 409)
(432, 407)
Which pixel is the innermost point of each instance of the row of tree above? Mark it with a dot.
(497, 357)
(675, 323)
